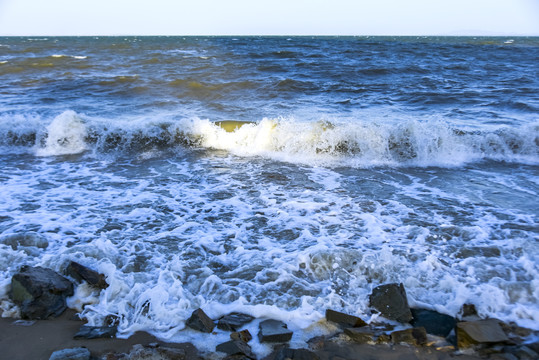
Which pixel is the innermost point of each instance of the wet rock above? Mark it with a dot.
(237, 357)
(361, 335)
(522, 352)
(273, 331)
(39, 292)
(82, 273)
(391, 301)
(236, 347)
(139, 352)
(96, 332)
(243, 335)
(80, 353)
(433, 322)
(24, 240)
(481, 332)
(234, 321)
(415, 336)
(344, 319)
(383, 339)
(200, 321)
(468, 313)
(294, 354)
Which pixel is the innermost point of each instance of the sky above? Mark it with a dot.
(269, 17)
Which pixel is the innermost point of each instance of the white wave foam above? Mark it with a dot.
(65, 135)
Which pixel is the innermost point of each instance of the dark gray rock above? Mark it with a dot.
(80, 353)
(96, 332)
(243, 335)
(390, 300)
(344, 319)
(415, 336)
(160, 352)
(295, 354)
(82, 273)
(433, 322)
(24, 240)
(235, 347)
(39, 292)
(360, 335)
(237, 357)
(481, 332)
(234, 321)
(468, 312)
(200, 321)
(273, 331)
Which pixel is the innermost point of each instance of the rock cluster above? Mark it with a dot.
(41, 293)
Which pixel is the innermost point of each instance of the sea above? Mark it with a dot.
(273, 176)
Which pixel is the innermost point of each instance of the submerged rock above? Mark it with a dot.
(200, 321)
(234, 321)
(481, 332)
(96, 332)
(273, 331)
(344, 319)
(80, 353)
(25, 240)
(39, 292)
(80, 272)
(391, 301)
(433, 322)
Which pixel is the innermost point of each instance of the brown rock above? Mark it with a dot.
(471, 333)
(243, 335)
(200, 321)
(80, 272)
(344, 319)
(361, 335)
(415, 336)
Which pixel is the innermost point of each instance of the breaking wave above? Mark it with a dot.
(325, 143)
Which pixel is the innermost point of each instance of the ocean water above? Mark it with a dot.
(274, 176)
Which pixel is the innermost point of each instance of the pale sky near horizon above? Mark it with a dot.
(264, 17)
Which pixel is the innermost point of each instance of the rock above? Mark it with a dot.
(236, 347)
(24, 240)
(295, 354)
(234, 321)
(383, 339)
(468, 313)
(80, 272)
(96, 332)
(362, 335)
(273, 331)
(243, 335)
(522, 352)
(237, 357)
(344, 319)
(200, 321)
(433, 322)
(391, 301)
(39, 292)
(80, 353)
(415, 336)
(139, 352)
(471, 333)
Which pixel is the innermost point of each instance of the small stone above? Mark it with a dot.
(433, 322)
(96, 332)
(273, 331)
(234, 321)
(81, 272)
(200, 321)
(80, 353)
(383, 339)
(295, 354)
(362, 335)
(235, 347)
(522, 352)
(243, 335)
(414, 336)
(468, 312)
(471, 333)
(344, 319)
(391, 301)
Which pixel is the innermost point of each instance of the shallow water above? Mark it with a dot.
(362, 161)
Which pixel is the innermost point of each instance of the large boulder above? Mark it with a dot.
(479, 333)
(39, 292)
(390, 300)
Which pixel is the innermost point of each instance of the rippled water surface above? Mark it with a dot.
(273, 176)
